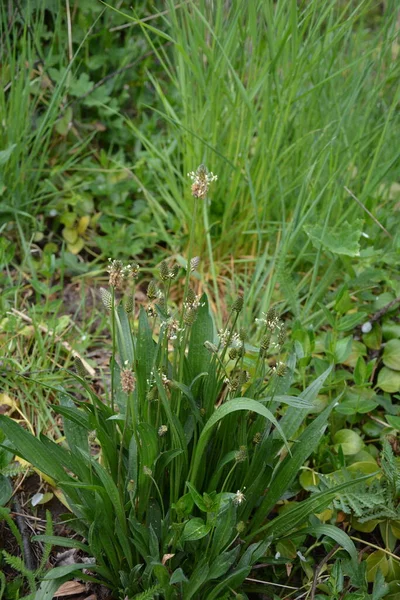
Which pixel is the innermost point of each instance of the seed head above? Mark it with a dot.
(237, 306)
(162, 430)
(152, 290)
(132, 270)
(281, 369)
(241, 454)
(190, 315)
(106, 298)
(201, 179)
(116, 273)
(174, 271)
(210, 347)
(79, 368)
(147, 471)
(257, 438)
(164, 271)
(233, 353)
(190, 297)
(127, 381)
(282, 334)
(129, 304)
(194, 263)
(240, 527)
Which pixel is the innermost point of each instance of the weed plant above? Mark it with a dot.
(173, 478)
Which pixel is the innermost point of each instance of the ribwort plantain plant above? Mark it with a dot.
(171, 479)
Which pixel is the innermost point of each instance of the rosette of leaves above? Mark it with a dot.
(174, 501)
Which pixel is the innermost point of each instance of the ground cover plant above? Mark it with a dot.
(295, 107)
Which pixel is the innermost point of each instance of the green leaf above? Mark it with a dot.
(197, 498)
(222, 563)
(360, 371)
(344, 240)
(388, 380)
(393, 421)
(178, 576)
(202, 330)
(145, 348)
(197, 579)
(48, 588)
(32, 449)
(291, 519)
(351, 321)
(290, 466)
(336, 534)
(195, 529)
(5, 154)
(235, 405)
(391, 355)
(377, 561)
(58, 572)
(349, 441)
(225, 529)
(76, 435)
(232, 581)
(294, 417)
(57, 540)
(380, 588)
(373, 339)
(124, 336)
(5, 490)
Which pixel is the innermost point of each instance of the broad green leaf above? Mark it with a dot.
(336, 534)
(235, 405)
(373, 339)
(145, 349)
(222, 563)
(232, 581)
(112, 493)
(351, 321)
(225, 529)
(76, 435)
(287, 549)
(389, 380)
(58, 572)
(5, 490)
(202, 330)
(367, 527)
(349, 441)
(344, 240)
(197, 579)
(48, 588)
(290, 466)
(195, 529)
(393, 421)
(148, 446)
(31, 449)
(377, 561)
(391, 355)
(124, 336)
(178, 576)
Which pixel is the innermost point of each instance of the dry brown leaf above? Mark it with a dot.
(70, 588)
(166, 557)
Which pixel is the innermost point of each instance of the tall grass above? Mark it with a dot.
(288, 103)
